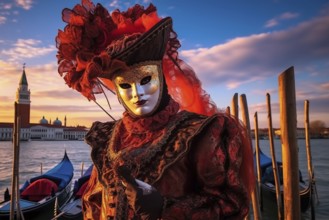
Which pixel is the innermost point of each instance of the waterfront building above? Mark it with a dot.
(37, 131)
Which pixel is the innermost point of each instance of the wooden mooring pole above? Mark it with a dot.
(288, 125)
(274, 163)
(15, 198)
(309, 156)
(259, 171)
(82, 167)
(246, 121)
(234, 110)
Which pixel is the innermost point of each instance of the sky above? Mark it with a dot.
(235, 46)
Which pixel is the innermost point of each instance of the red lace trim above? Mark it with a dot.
(137, 132)
(153, 123)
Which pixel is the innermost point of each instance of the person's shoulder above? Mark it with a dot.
(222, 120)
(99, 132)
(198, 121)
(98, 126)
(191, 116)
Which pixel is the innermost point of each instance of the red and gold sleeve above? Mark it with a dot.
(221, 193)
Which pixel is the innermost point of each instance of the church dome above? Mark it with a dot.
(57, 122)
(43, 121)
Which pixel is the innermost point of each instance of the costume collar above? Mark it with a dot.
(151, 123)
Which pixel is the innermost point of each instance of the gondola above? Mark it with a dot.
(40, 193)
(268, 184)
(73, 209)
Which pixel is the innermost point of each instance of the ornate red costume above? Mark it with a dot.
(185, 159)
(192, 160)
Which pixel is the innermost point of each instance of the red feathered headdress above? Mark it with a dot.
(95, 44)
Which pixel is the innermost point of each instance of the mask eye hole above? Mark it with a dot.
(125, 85)
(146, 80)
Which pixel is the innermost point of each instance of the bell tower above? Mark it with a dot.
(23, 100)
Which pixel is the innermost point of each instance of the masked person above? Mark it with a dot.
(172, 155)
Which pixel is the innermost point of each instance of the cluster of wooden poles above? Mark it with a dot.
(288, 126)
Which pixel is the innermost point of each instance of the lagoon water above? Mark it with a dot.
(49, 153)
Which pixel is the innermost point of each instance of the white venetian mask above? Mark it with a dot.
(140, 87)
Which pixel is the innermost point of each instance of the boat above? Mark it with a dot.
(39, 194)
(268, 191)
(72, 210)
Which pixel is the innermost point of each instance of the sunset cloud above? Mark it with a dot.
(285, 16)
(2, 20)
(9, 74)
(242, 59)
(325, 86)
(26, 48)
(5, 6)
(73, 113)
(25, 4)
(114, 3)
(64, 94)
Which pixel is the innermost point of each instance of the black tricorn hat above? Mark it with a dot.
(150, 46)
